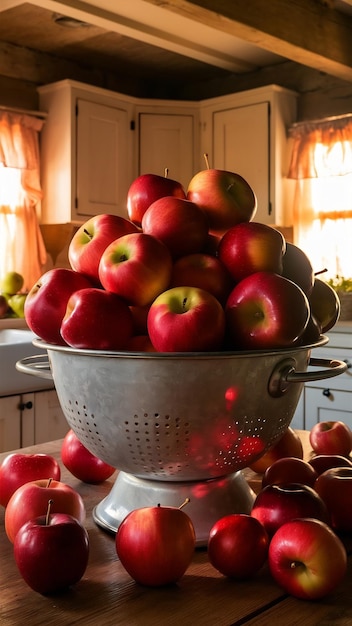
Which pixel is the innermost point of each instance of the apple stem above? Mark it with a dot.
(50, 503)
(184, 503)
(321, 271)
(87, 233)
(49, 482)
(166, 172)
(206, 159)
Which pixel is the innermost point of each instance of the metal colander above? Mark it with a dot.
(177, 422)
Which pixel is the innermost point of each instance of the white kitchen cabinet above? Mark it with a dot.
(30, 418)
(10, 423)
(86, 152)
(95, 142)
(247, 133)
(168, 138)
(329, 399)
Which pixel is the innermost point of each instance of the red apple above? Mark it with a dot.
(307, 559)
(19, 468)
(266, 311)
(323, 462)
(205, 272)
(51, 552)
(277, 504)
(331, 437)
(289, 470)
(31, 500)
(225, 197)
(180, 224)
(297, 267)
(334, 486)
(97, 320)
(146, 189)
(156, 544)
(136, 267)
(186, 319)
(46, 302)
(90, 240)
(251, 247)
(324, 304)
(289, 444)
(82, 463)
(238, 545)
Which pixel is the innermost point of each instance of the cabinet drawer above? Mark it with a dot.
(322, 406)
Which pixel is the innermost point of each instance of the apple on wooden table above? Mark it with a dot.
(18, 468)
(323, 462)
(289, 470)
(276, 504)
(334, 486)
(238, 545)
(96, 319)
(331, 437)
(90, 240)
(155, 544)
(136, 267)
(146, 189)
(31, 500)
(307, 559)
(51, 552)
(186, 319)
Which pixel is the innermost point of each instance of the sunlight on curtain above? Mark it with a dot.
(322, 166)
(21, 244)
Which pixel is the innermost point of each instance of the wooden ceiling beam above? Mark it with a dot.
(310, 32)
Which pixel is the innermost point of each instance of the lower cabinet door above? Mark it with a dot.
(10, 423)
(50, 422)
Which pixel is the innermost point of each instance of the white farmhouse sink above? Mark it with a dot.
(15, 344)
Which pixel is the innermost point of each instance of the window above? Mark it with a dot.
(21, 245)
(322, 166)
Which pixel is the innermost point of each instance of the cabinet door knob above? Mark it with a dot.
(25, 405)
(327, 393)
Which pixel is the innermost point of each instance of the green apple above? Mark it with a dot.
(11, 283)
(16, 303)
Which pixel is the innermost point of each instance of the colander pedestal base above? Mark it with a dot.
(209, 500)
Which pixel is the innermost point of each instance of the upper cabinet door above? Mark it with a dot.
(102, 168)
(241, 144)
(167, 142)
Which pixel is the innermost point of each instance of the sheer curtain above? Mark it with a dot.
(21, 245)
(321, 164)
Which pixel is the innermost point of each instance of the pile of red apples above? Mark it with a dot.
(187, 271)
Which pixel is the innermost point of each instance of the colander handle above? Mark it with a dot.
(334, 367)
(37, 365)
(285, 373)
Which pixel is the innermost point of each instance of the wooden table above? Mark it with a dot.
(106, 595)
